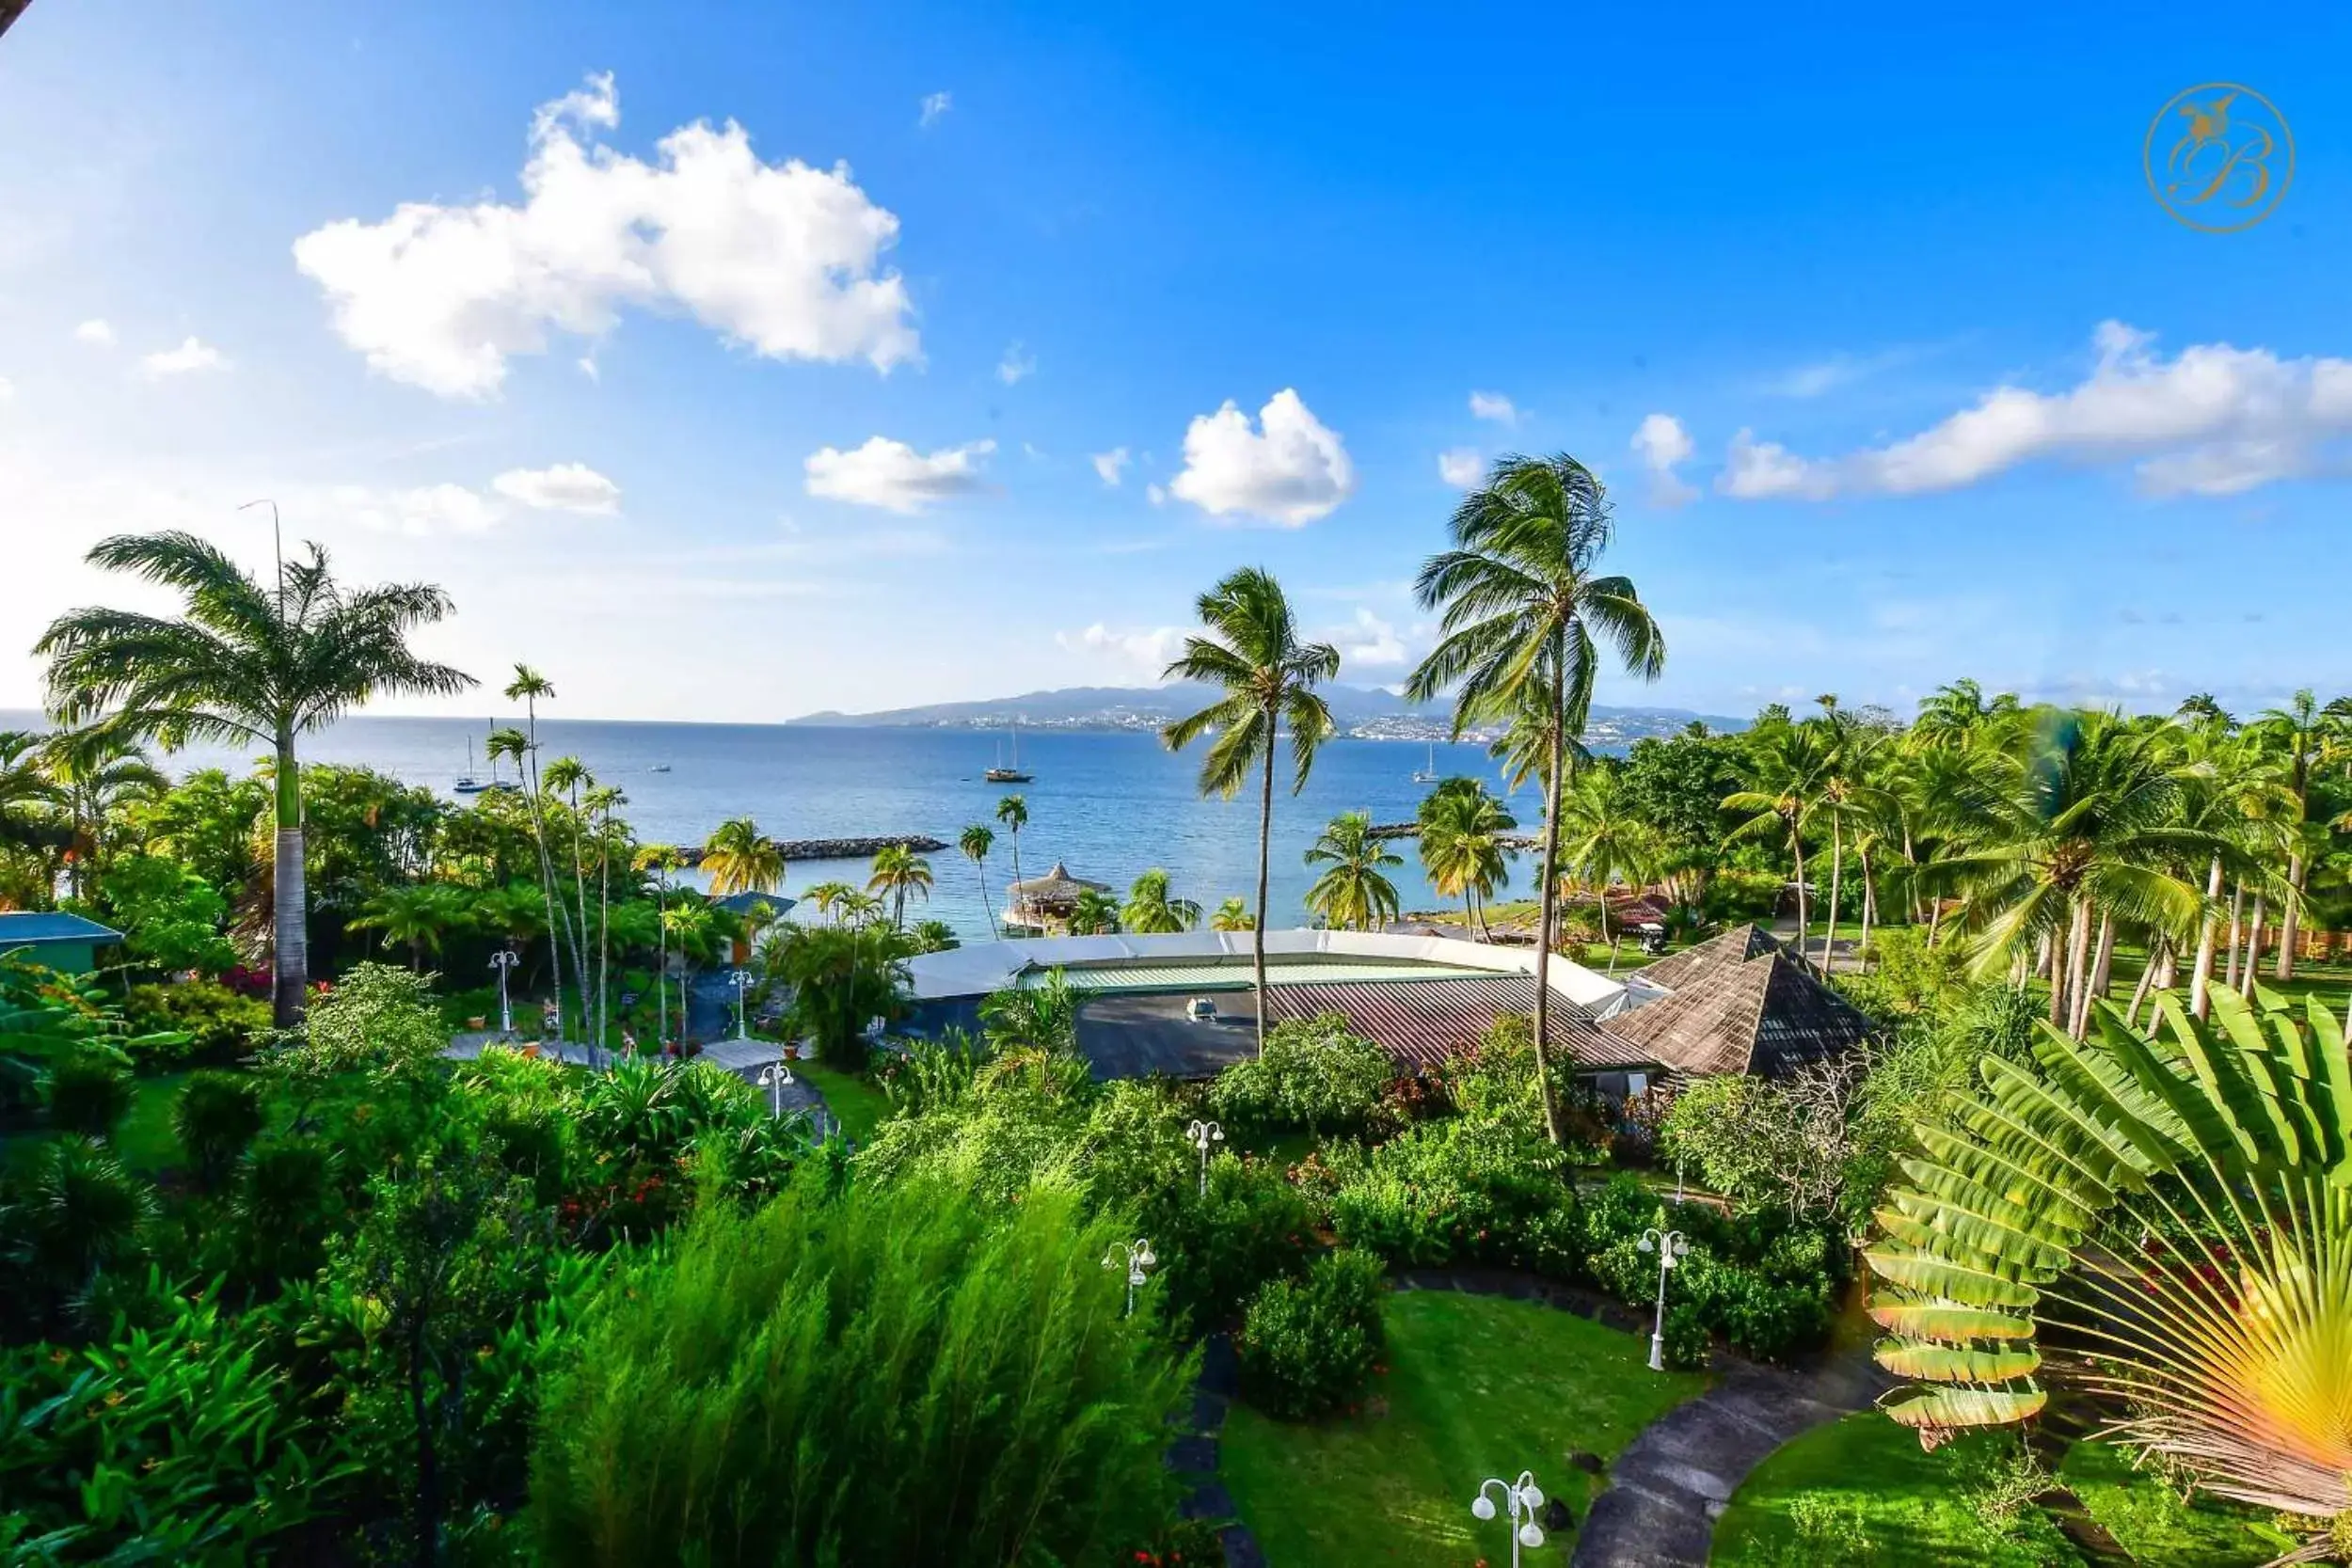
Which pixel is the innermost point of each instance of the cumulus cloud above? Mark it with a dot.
(95, 332)
(1368, 640)
(564, 487)
(1147, 651)
(783, 258)
(1017, 365)
(2212, 420)
(426, 509)
(1495, 406)
(1289, 470)
(587, 363)
(1663, 445)
(893, 476)
(1461, 466)
(1155, 495)
(934, 109)
(1109, 464)
(190, 357)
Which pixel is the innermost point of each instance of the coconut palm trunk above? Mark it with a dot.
(1836, 881)
(2253, 946)
(2208, 931)
(1266, 856)
(2290, 920)
(1548, 902)
(290, 894)
(2238, 929)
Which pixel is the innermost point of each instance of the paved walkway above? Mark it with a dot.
(1669, 1486)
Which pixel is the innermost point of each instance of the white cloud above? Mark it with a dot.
(8, 388)
(1017, 364)
(587, 363)
(564, 487)
(1147, 651)
(1289, 471)
(783, 258)
(893, 476)
(1368, 640)
(934, 109)
(97, 333)
(427, 510)
(2214, 419)
(1155, 495)
(1461, 466)
(1495, 406)
(1663, 445)
(1110, 464)
(191, 356)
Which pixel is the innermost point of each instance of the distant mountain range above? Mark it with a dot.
(1362, 711)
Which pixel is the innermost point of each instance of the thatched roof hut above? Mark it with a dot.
(1053, 896)
(1740, 1002)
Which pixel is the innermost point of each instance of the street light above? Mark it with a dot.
(1522, 1498)
(1202, 1134)
(742, 981)
(1670, 1247)
(503, 960)
(1138, 1255)
(773, 1077)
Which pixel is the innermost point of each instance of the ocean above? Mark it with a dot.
(1109, 805)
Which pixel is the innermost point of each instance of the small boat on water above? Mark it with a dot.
(466, 783)
(1002, 773)
(1428, 774)
(659, 767)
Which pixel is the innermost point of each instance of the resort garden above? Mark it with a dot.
(304, 1259)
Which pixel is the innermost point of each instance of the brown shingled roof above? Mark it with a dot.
(1734, 947)
(1422, 1022)
(1741, 1003)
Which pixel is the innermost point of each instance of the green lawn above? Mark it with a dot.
(144, 1141)
(1476, 1387)
(855, 1102)
(1881, 1500)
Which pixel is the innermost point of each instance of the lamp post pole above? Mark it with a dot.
(1138, 1255)
(1523, 1497)
(773, 1078)
(503, 960)
(1670, 1247)
(1202, 1134)
(742, 978)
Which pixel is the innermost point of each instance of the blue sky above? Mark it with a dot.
(706, 434)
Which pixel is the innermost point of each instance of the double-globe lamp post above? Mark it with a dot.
(742, 982)
(1670, 1247)
(1138, 1255)
(1523, 1497)
(504, 961)
(1202, 1134)
(772, 1078)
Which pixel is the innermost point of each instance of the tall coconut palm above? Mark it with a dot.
(1603, 843)
(1233, 916)
(1151, 911)
(1354, 894)
(1093, 916)
(896, 872)
(1960, 714)
(737, 859)
(1524, 605)
(600, 801)
(2302, 734)
(564, 779)
(830, 898)
(975, 842)
(509, 743)
(1251, 651)
(1013, 812)
(1462, 851)
(663, 860)
(244, 664)
(1788, 766)
(2174, 1202)
(97, 772)
(528, 687)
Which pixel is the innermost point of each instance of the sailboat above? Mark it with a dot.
(1428, 774)
(1003, 774)
(466, 783)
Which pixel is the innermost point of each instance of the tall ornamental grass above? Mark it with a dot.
(882, 1374)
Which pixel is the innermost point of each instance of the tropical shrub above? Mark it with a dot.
(877, 1375)
(283, 1203)
(1457, 1191)
(1314, 1073)
(89, 1092)
(217, 1117)
(73, 1214)
(201, 1020)
(1307, 1346)
(1216, 1251)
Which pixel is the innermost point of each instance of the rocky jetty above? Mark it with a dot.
(836, 849)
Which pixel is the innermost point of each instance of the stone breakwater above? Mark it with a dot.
(839, 849)
(1412, 829)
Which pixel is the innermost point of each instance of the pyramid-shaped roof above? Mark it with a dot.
(1741, 1003)
(1736, 946)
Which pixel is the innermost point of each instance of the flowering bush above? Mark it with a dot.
(1457, 1191)
(1307, 1346)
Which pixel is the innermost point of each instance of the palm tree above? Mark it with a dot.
(2301, 735)
(97, 771)
(663, 860)
(511, 743)
(565, 778)
(829, 897)
(1461, 846)
(2174, 1201)
(1149, 911)
(931, 936)
(1602, 841)
(244, 665)
(692, 929)
(1013, 812)
(1524, 608)
(898, 871)
(528, 687)
(30, 801)
(1233, 916)
(1253, 652)
(1354, 892)
(977, 840)
(1788, 765)
(600, 802)
(1958, 714)
(1093, 914)
(414, 917)
(738, 859)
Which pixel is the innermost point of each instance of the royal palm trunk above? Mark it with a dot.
(290, 897)
(1548, 907)
(2208, 930)
(1266, 839)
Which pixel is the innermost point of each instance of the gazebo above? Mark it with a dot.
(1039, 901)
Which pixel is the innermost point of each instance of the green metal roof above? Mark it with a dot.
(1233, 974)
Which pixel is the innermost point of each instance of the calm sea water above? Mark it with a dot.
(1110, 805)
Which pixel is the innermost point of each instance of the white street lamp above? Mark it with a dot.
(742, 981)
(1523, 1497)
(1137, 1257)
(772, 1078)
(1202, 1134)
(1670, 1247)
(503, 960)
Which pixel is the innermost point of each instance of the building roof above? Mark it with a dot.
(1740, 1002)
(1056, 884)
(743, 903)
(42, 927)
(1422, 1022)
